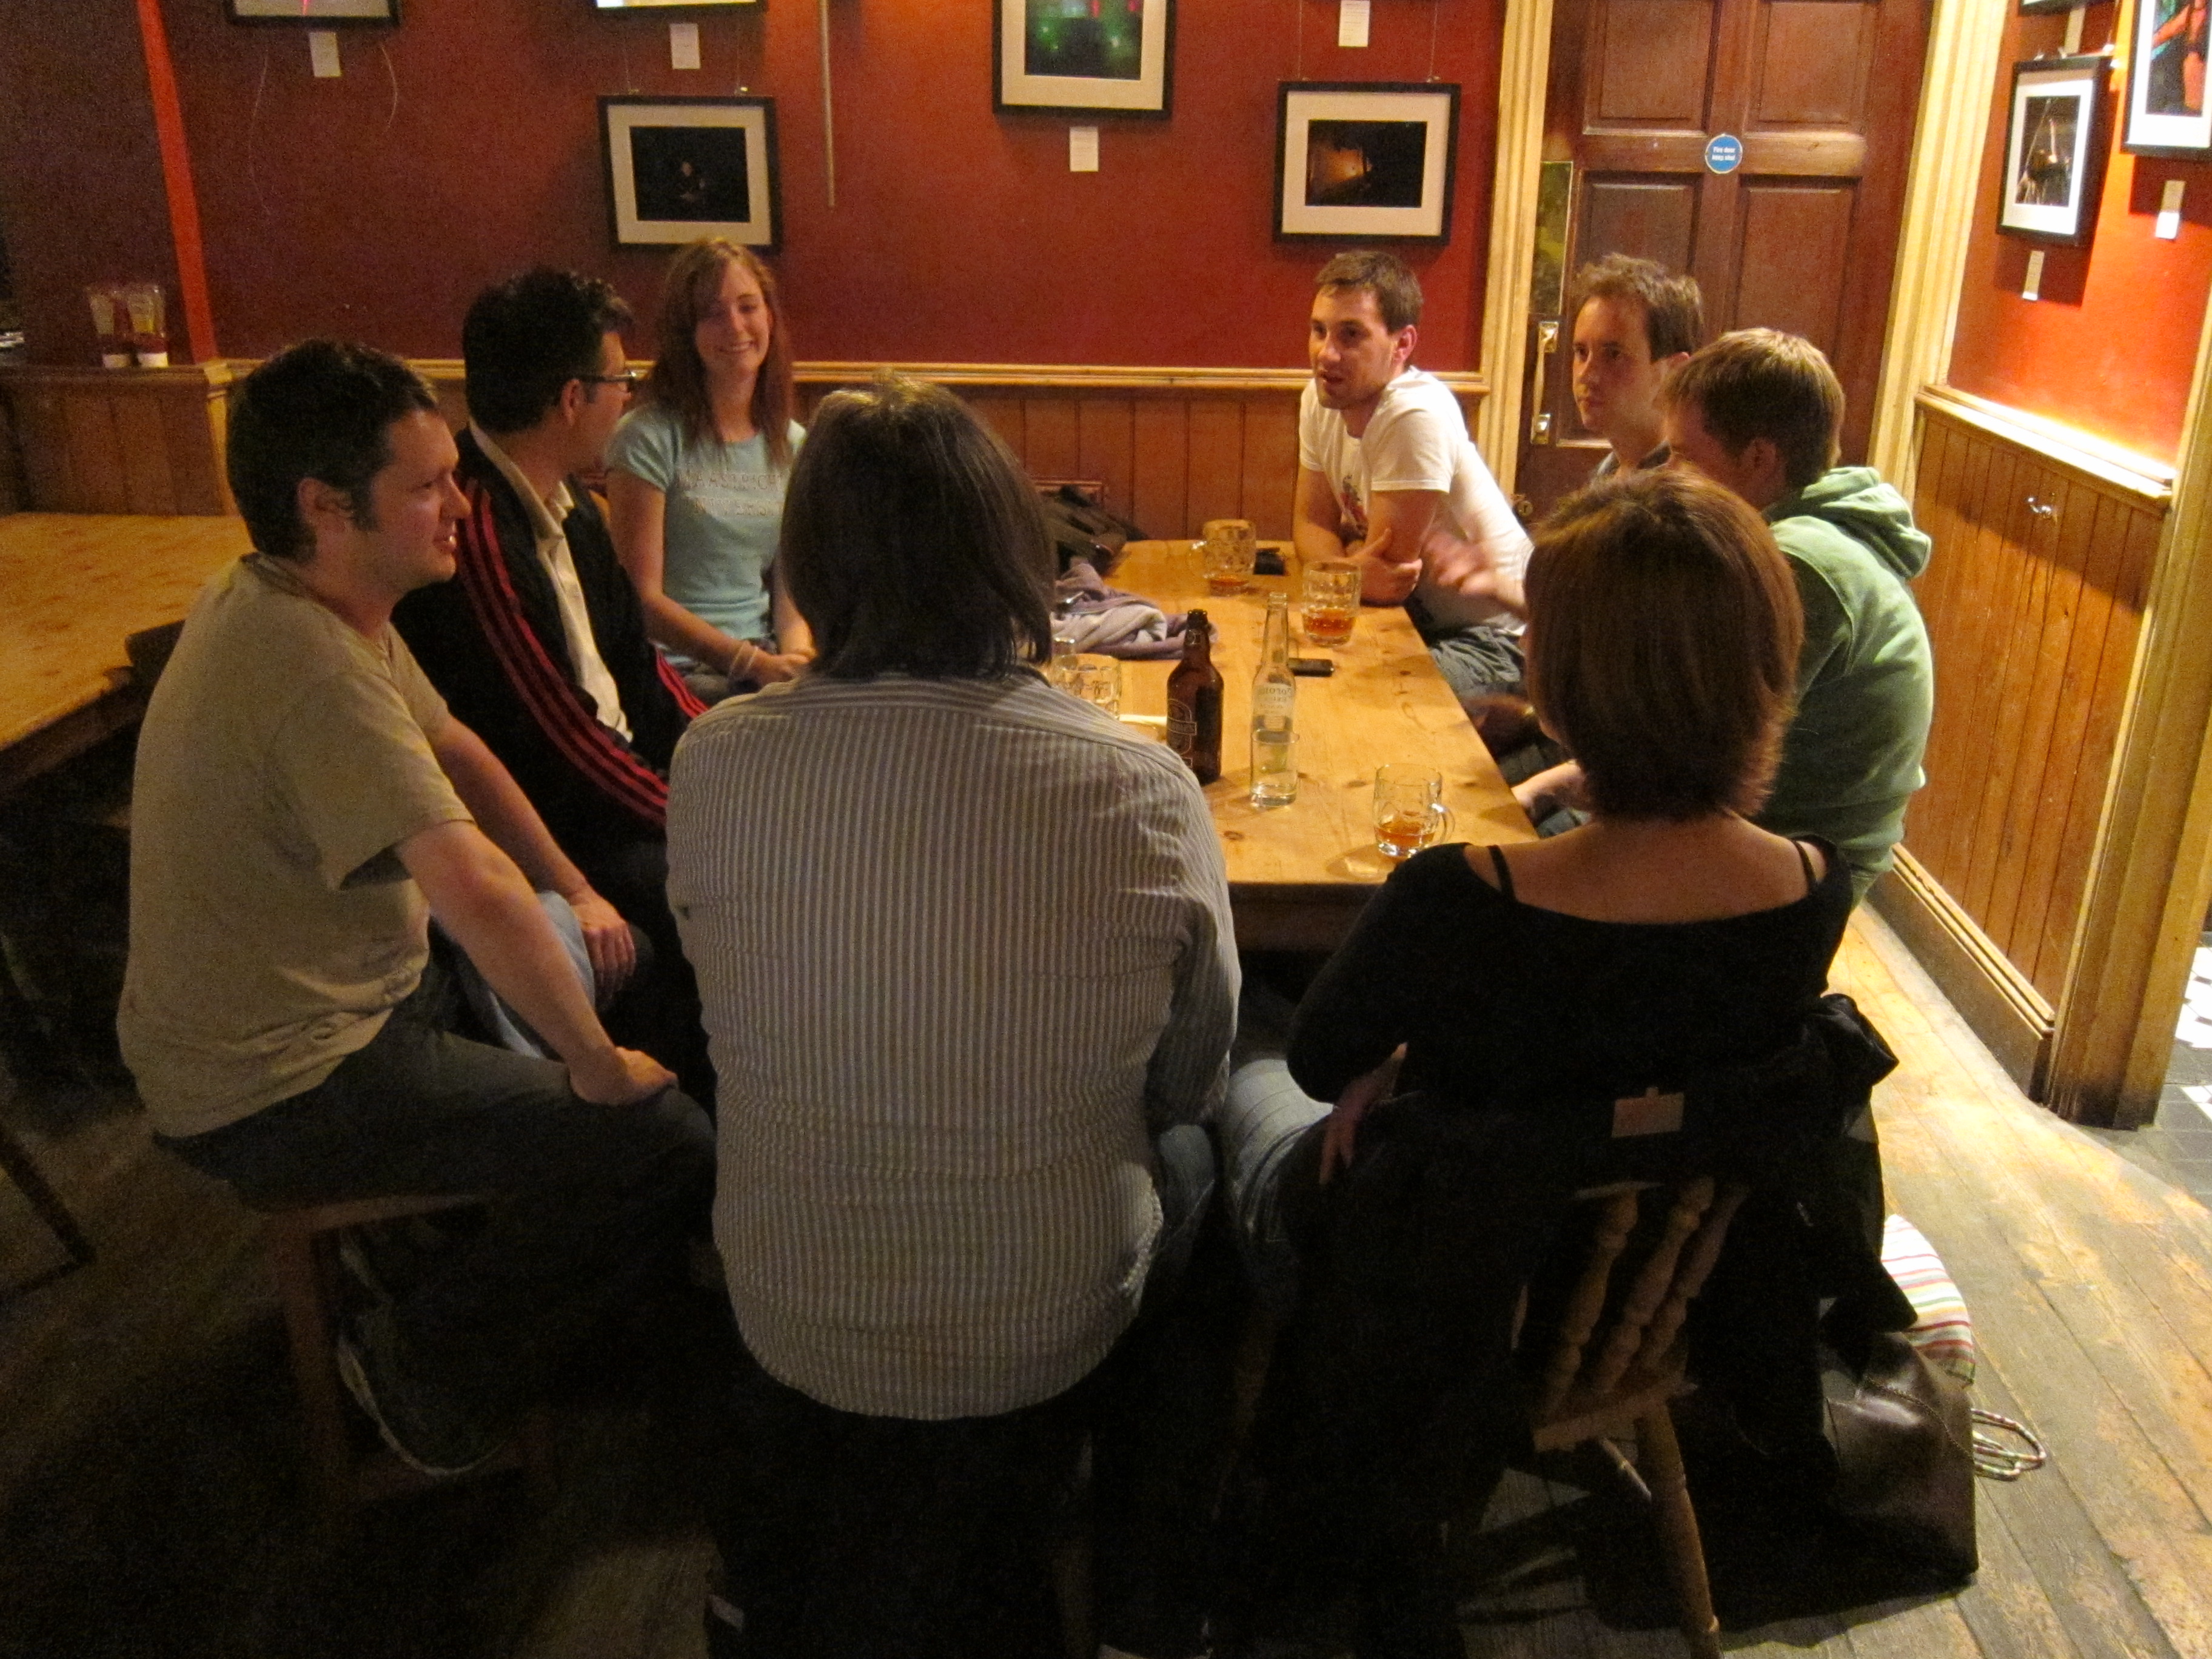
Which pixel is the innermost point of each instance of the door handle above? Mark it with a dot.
(1547, 341)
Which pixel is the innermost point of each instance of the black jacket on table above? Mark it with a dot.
(493, 642)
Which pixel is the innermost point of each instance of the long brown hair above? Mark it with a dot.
(679, 380)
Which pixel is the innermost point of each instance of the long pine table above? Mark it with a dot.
(73, 586)
(1299, 875)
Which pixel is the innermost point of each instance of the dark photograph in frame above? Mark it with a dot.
(2167, 106)
(1083, 57)
(681, 168)
(1365, 160)
(315, 14)
(2056, 140)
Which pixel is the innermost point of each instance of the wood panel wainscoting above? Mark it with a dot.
(1174, 447)
(120, 439)
(2045, 543)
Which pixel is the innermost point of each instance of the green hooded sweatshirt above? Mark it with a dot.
(1866, 683)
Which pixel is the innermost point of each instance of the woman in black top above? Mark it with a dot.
(1669, 936)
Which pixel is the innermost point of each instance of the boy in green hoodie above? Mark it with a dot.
(1759, 412)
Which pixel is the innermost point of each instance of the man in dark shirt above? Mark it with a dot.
(538, 643)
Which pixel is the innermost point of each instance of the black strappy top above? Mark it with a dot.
(1497, 1001)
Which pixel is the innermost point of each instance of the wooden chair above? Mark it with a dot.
(1603, 1383)
(16, 1160)
(302, 1251)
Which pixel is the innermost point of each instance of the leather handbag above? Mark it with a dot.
(1903, 1441)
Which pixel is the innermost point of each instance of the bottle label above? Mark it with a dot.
(1182, 728)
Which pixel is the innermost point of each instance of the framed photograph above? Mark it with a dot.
(681, 168)
(2030, 8)
(1083, 57)
(2054, 145)
(315, 14)
(669, 5)
(2168, 113)
(1361, 160)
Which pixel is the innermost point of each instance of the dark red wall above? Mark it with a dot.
(81, 193)
(2111, 346)
(466, 143)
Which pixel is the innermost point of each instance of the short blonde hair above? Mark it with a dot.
(1664, 633)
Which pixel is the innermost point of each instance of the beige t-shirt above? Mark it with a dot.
(272, 926)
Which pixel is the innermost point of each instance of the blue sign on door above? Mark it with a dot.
(1724, 154)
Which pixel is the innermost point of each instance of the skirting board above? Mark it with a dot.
(1991, 995)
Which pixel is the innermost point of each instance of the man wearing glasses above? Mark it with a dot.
(538, 645)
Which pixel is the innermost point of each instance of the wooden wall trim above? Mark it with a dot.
(1524, 78)
(1991, 995)
(2153, 872)
(1028, 377)
(2083, 452)
(121, 440)
(1965, 38)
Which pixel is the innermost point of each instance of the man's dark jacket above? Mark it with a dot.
(492, 642)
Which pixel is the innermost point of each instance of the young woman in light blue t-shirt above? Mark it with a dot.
(695, 477)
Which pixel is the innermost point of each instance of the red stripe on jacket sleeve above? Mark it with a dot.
(551, 701)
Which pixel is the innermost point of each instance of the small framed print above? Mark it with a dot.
(2054, 145)
(2167, 112)
(1361, 160)
(681, 168)
(315, 14)
(1083, 57)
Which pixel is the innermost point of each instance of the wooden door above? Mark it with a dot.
(1801, 235)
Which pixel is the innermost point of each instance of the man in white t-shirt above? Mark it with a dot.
(1389, 477)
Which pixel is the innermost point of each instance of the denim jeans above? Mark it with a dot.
(588, 1203)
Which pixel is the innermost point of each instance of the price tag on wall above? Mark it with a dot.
(683, 46)
(1352, 23)
(323, 54)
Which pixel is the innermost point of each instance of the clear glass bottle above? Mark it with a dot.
(1274, 701)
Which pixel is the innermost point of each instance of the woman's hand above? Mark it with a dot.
(1336, 1142)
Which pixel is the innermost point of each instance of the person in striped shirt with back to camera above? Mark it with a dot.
(967, 965)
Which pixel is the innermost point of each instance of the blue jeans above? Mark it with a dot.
(589, 1202)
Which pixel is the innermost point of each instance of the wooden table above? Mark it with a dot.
(1299, 875)
(72, 587)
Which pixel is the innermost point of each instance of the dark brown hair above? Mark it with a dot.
(913, 543)
(525, 339)
(678, 381)
(1663, 632)
(1397, 291)
(1761, 383)
(1674, 308)
(322, 410)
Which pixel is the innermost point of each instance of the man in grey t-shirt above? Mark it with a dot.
(304, 805)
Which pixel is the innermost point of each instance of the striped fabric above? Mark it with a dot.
(1943, 1330)
(552, 699)
(961, 946)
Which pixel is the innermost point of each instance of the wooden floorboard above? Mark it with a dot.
(148, 1497)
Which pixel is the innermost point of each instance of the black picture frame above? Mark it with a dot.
(2157, 119)
(2057, 135)
(1405, 136)
(315, 14)
(2033, 8)
(1023, 85)
(681, 168)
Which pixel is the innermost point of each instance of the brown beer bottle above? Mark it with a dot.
(1195, 702)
